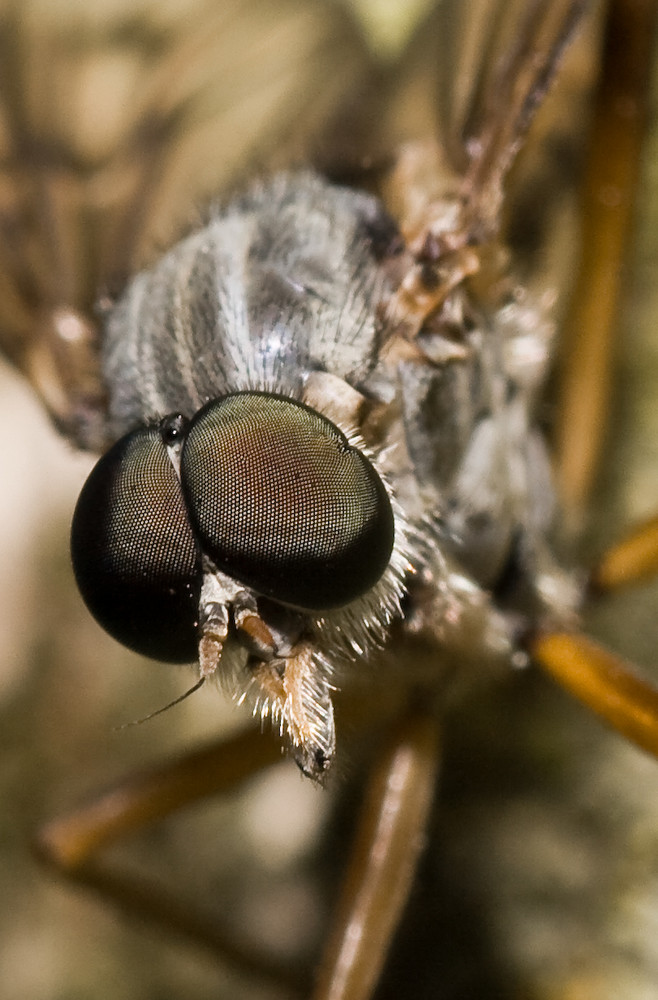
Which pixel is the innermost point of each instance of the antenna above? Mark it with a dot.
(165, 708)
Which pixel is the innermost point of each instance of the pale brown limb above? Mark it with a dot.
(633, 559)
(509, 100)
(608, 685)
(147, 797)
(611, 172)
(390, 836)
(71, 845)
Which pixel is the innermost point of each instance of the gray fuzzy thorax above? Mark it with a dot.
(279, 284)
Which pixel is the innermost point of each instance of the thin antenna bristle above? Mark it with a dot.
(165, 708)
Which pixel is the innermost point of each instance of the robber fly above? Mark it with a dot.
(318, 412)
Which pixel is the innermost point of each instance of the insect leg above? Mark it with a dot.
(632, 559)
(611, 172)
(71, 844)
(385, 852)
(604, 682)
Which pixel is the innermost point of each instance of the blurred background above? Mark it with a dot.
(541, 874)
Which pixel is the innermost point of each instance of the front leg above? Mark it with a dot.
(73, 846)
(384, 855)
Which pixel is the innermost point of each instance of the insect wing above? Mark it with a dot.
(144, 113)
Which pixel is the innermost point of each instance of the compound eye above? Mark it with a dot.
(283, 503)
(135, 558)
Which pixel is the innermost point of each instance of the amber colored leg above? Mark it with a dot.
(631, 560)
(602, 681)
(152, 795)
(607, 209)
(389, 839)
(71, 844)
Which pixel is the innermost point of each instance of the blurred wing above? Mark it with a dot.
(116, 120)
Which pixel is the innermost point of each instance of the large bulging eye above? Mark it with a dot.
(134, 555)
(283, 503)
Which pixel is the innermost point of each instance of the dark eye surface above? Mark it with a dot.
(283, 503)
(134, 556)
